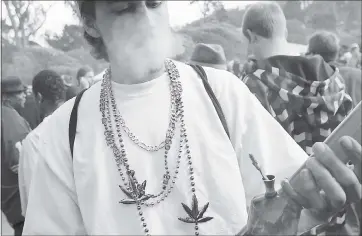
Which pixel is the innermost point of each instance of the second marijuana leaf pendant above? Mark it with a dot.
(194, 215)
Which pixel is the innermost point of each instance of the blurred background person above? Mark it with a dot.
(343, 55)
(99, 77)
(326, 44)
(355, 60)
(235, 67)
(14, 129)
(248, 66)
(31, 110)
(209, 55)
(85, 78)
(50, 91)
(71, 91)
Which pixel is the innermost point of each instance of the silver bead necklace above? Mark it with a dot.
(135, 191)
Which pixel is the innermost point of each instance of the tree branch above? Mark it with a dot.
(34, 30)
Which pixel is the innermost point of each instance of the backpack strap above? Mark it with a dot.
(73, 121)
(201, 72)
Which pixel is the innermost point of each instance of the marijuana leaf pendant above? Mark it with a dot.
(137, 193)
(194, 215)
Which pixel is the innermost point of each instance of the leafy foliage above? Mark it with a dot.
(228, 36)
(27, 62)
(70, 39)
(21, 21)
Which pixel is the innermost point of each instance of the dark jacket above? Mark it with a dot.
(305, 95)
(31, 111)
(14, 129)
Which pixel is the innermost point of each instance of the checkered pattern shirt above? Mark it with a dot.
(307, 110)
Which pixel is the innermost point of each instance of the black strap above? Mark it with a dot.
(201, 72)
(73, 121)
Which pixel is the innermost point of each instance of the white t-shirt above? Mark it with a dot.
(81, 196)
(27, 162)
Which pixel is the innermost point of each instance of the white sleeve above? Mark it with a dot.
(52, 205)
(26, 165)
(254, 131)
(270, 144)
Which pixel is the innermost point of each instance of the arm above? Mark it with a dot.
(52, 204)
(52, 207)
(10, 147)
(27, 162)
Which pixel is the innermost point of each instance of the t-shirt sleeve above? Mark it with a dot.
(26, 165)
(52, 204)
(254, 131)
(270, 144)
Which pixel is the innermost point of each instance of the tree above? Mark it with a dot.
(74, 6)
(321, 16)
(207, 7)
(22, 20)
(70, 39)
(293, 10)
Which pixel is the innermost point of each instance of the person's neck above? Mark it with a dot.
(275, 47)
(52, 107)
(123, 76)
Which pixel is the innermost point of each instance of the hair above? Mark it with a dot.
(49, 85)
(325, 44)
(83, 71)
(265, 19)
(88, 13)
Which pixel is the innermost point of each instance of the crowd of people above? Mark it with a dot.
(76, 158)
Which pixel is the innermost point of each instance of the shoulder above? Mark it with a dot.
(33, 137)
(221, 81)
(13, 120)
(58, 122)
(8, 112)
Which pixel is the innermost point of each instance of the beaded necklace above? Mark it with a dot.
(134, 190)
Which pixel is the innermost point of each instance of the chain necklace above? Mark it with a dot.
(135, 191)
(170, 132)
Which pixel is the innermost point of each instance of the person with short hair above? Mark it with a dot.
(85, 77)
(49, 91)
(14, 129)
(152, 155)
(71, 91)
(326, 44)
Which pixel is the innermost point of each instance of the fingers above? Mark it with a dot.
(353, 150)
(325, 181)
(310, 190)
(288, 189)
(339, 170)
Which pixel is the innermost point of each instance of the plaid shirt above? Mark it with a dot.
(307, 108)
